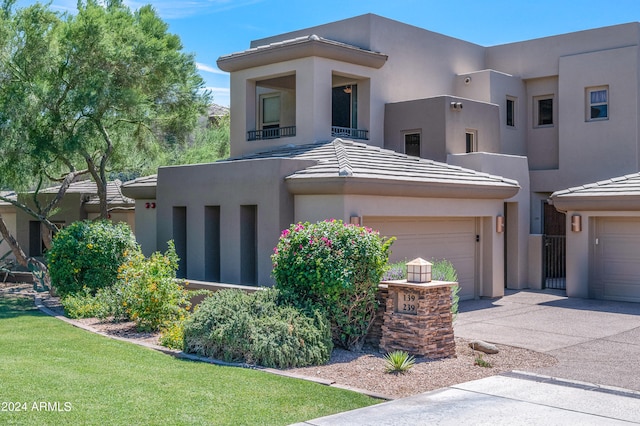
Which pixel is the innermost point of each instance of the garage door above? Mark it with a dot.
(433, 238)
(617, 259)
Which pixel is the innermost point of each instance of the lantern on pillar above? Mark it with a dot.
(419, 271)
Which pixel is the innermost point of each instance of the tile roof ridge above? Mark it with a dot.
(344, 165)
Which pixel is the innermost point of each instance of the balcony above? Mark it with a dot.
(347, 132)
(275, 133)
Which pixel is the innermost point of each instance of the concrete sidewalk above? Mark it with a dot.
(501, 400)
(596, 380)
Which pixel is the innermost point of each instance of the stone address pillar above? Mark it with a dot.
(418, 319)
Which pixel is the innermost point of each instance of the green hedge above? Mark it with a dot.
(236, 326)
(88, 254)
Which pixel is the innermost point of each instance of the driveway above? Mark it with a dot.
(596, 381)
(594, 341)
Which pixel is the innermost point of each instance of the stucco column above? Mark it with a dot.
(577, 267)
(313, 101)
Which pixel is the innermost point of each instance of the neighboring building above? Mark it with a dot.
(80, 202)
(8, 213)
(547, 114)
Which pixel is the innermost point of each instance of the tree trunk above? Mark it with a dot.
(41, 279)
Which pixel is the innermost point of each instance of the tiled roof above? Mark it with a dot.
(615, 194)
(623, 185)
(300, 47)
(88, 187)
(344, 158)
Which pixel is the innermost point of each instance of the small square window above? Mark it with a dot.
(412, 144)
(511, 111)
(597, 103)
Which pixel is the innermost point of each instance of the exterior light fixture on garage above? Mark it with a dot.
(499, 224)
(576, 223)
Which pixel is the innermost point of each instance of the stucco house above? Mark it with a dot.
(452, 147)
(80, 202)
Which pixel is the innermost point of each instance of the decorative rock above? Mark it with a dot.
(487, 348)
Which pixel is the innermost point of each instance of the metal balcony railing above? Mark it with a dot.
(347, 132)
(275, 133)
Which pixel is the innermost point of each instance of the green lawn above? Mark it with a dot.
(59, 374)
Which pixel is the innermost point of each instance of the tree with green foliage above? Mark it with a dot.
(88, 92)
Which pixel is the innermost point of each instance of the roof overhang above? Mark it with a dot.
(566, 203)
(301, 47)
(397, 187)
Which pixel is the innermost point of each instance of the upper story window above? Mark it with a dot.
(412, 144)
(270, 111)
(511, 111)
(543, 110)
(471, 138)
(597, 103)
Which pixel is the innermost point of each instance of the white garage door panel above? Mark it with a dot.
(617, 260)
(431, 238)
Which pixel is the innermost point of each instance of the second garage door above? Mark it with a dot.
(616, 272)
(434, 238)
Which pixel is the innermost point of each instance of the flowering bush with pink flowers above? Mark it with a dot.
(335, 268)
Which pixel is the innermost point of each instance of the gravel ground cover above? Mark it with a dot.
(364, 370)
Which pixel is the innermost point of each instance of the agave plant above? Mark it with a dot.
(398, 362)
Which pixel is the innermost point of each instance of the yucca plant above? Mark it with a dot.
(398, 362)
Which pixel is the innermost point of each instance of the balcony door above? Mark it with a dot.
(344, 106)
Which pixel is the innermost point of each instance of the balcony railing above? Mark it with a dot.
(275, 133)
(347, 132)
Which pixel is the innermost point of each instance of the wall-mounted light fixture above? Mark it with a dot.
(354, 220)
(456, 106)
(576, 223)
(499, 224)
(467, 80)
(347, 90)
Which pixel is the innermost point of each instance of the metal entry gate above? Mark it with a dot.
(554, 261)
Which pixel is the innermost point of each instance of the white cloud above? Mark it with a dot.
(209, 68)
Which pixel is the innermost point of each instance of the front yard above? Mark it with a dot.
(54, 373)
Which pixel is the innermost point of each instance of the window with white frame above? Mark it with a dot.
(511, 111)
(597, 103)
(543, 110)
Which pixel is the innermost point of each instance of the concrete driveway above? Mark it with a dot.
(594, 341)
(596, 381)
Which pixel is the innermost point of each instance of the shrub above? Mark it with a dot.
(236, 326)
(147, 291)
(81, 305)
(333, 267)
(398, 362)
(87, 255)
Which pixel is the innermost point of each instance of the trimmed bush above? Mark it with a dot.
(88, 254)
(147, 291)
(236, 326)
(334, 267)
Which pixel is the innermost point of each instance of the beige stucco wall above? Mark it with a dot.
(393, 82)
(516, 209)
(228, 185)
(491, 258)
(442, 128)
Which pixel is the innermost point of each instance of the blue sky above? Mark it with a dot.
(211, 28)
